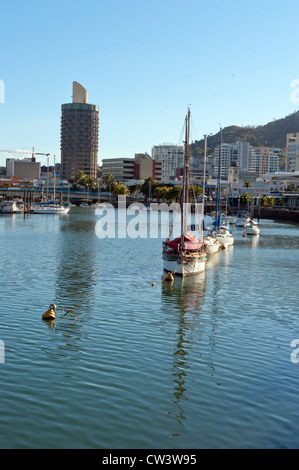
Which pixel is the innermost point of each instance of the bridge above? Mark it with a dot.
(64, 194)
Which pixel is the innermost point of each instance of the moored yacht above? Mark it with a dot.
(243, 218)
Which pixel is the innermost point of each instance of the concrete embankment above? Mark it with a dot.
(290, 215)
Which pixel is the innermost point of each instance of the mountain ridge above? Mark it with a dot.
(273, 134)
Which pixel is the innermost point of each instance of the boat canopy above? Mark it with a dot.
(190, 243)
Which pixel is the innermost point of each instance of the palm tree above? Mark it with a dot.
(109, 181)
(91, 182)
(120, 189)
(247, 184)
(147, 187)
(81, 179)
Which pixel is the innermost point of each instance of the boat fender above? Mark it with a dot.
(223, 246)
(244, 235)
(50, 313)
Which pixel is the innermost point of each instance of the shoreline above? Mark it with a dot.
(288, 215)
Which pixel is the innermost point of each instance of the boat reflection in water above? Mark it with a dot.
(186, 295)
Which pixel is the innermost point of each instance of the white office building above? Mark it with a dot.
(172, 158)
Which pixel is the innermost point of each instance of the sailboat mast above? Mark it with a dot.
(204, 185)
(185, 198)
(218, 181)
(54, 181)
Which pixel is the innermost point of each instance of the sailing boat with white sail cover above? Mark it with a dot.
(50, 207)
(185, 255)
(221, 231)
(212, 243)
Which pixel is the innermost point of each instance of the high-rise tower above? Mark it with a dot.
(79, 135)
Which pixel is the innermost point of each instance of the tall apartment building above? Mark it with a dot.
(172, 158)
(266, 160)
(238, 153)
(292, 152)
(226, 159)
(79, 135)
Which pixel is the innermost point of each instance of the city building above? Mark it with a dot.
(126, 169)
(252, 162)
(146, 167)
(122, 169)
(172, 158)
(233, 174)
(238, 153)
(266, 160)
(292, 152)
(23, 168)
(79, 136)
(227, 157)
(197, 168)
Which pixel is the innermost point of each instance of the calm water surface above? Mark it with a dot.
(201, 363)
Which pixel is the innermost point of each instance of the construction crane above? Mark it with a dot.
(33, 153)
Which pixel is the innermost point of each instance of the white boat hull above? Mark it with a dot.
(252, 230)
(51, 210)
(229, 219)
(9, 208)
(226, 240)
(242, 220)
(212, 245)
(186, 268)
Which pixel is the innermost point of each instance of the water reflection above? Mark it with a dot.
(76, 273)
(74, 285)
(186, 296)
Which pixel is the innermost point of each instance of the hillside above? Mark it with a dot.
(272, 134)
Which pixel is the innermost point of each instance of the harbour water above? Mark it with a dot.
(205, 362)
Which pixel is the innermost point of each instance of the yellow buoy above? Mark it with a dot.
(169, 277)
(50, 313)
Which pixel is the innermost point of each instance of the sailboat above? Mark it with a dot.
(212, 243)
(251, 227)
(221, 231)
(184, 255)
(50, 207)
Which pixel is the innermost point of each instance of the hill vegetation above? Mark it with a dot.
(272, 135)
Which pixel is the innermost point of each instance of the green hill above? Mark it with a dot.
(272, 135)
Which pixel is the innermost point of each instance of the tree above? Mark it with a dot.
(245, 198)
(148, 187)
(81, 179)
(247, 184)
(174, 193)
(267, 201)
(197, 190)
(91, 182)
(134, 189)
(109, 181)
(160, 192)
(119, 189)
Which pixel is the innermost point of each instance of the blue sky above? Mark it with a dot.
(144, 62)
